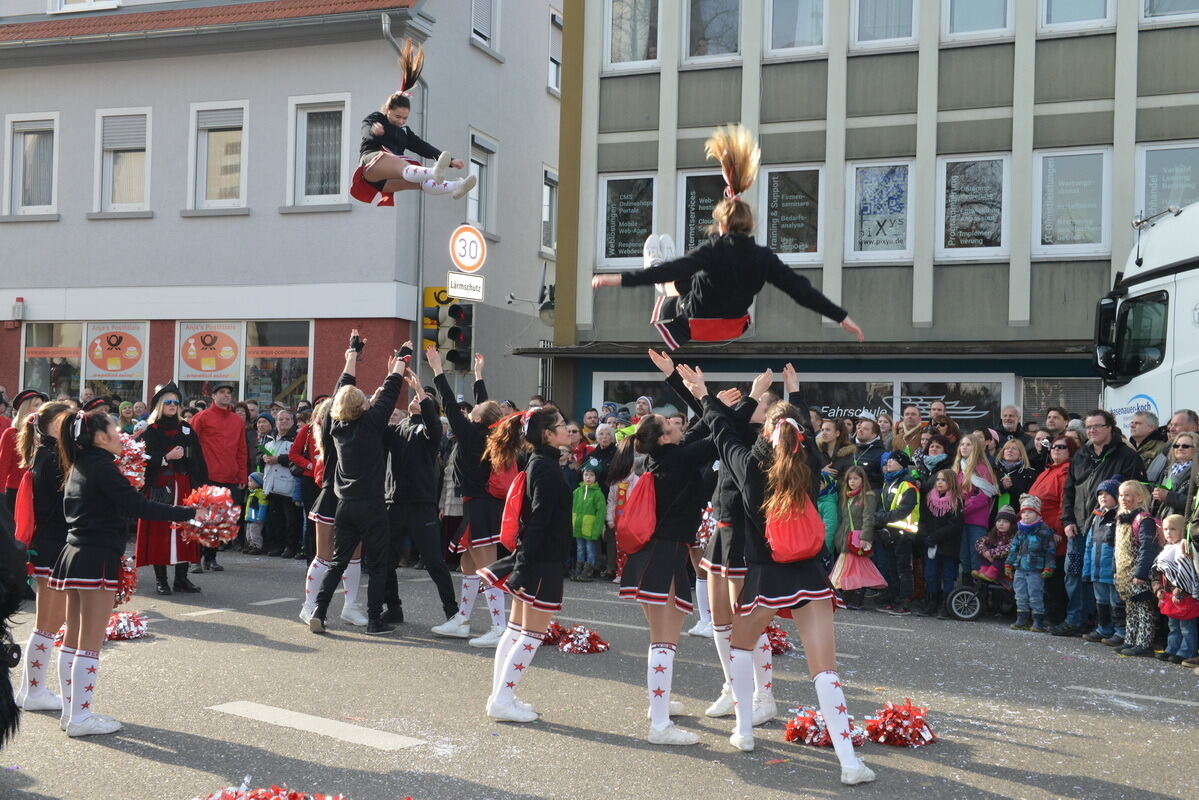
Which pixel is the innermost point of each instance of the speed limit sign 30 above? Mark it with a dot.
(468, 248)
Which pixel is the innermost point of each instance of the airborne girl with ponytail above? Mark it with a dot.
(708, 292)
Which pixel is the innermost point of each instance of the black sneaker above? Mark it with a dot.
(1093, 636)
(288, 553)
(378, 628)
(899, 610)
(1115, 640)
(212, 566)
(1065, 630)
(393, 615)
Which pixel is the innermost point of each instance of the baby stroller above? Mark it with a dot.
(974, 598)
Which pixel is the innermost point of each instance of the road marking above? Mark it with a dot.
(1152, 697)
(605, 623)
(334, 729)
(274, 602)
(875, 627)
(205, 612)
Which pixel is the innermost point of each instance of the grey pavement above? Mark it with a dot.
(1018, 715)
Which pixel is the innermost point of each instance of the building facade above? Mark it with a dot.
(175, 184)
(959, 174)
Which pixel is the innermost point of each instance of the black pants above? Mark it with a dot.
(208, 554)
(282, 523)
(419, 521)
(308, 492)
(897, 567)
(365, 522)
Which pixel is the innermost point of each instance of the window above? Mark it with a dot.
(632, 33)
(1072, 210)
(318, 147)
(1170, 10)
(277, 362)
(976, 19)
(700, 192)
(69, 6)
(478, 201)
(1141, 327)
(713, 28)
(1073, 15)
(792, 213)
(220, 155)
(549, 211)
(1169, 176)
(880, 225)
(971, 214)
(554, 80)
(114, 359)
(210, 353)
(482, 19)
(123, 160)
(626, 218)
(51, 362)
(31, 159)
(795, 25)
(884, 22)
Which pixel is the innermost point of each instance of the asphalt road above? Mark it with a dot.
(1018, 715)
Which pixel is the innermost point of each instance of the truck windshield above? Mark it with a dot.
(1141, 334)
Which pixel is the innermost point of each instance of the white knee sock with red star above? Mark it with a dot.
(517, 664)
(439, 187)
(702, 604)
(836, 716)
(722, 634)
(37, 662)
(470, 590)
(763, 668)
(495, 607)
(350, 581)
(507, 642)
(659, 674)
(416, 174)
(741, 681)
(314, 579)
(66, 659)
(85, 673)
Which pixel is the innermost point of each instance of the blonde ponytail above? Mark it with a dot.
(739, 156)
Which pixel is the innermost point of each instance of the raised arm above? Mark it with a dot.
(801, 290)
(479, 387)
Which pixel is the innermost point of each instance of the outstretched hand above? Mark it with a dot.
(662, 361)
(377, 129)
(790, 378)
(434, 359)
(730, 397)
(479, 362)
(693, 379)
(600, 281)
(418, 391)
(761, 384)
(849, 326)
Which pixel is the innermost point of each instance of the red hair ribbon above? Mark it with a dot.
(730, 181)
(778, 431)
(32, 418)
(525, 416)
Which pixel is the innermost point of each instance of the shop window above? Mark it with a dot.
(52, 362)
(114, 359)
(277, 362)
(209, 354)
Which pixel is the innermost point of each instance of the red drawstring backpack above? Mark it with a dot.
(498, 483)
(23, 511)
(514, 504)
(635, 525)
(797, 536)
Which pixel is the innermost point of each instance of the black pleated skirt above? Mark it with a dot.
(538, 585)
(650, 572)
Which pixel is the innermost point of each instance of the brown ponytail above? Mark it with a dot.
(504, 442)
(412, 62)
(788, 478)
(33, 426)
(70, 444)
(734, 147)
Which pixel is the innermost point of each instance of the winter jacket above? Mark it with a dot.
(471, 472)
(899, 508)
(679, 484)
(10, 463)
(598, 462)
(907, 441)
(395, 138)
(303, 451)
(1022, 480)
(1150, 447)
(163, 436)
(1088, 469)
(840, 461)
(618, 495)
(49, 524)
(412, 445)
(995, 546)
(1048, 488)
(588, 512)
(869, 456)
(927, 471)
(857, 514)
(976, 503)
(943, 532)
(277, 478)
(1136, 548)
(222, 434)
(1099, 547)
(1178, 488)
(826, 504)
(256, 505)
(1032, 548)
(361, 451)
(545, 524)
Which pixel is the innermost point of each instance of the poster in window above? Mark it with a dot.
(793, 211)
(971, 405)
(210, 351)
(1072, 199)
(881, 222)
(1171, 178)
(847, 400)
(701, 193)
(629, 216)
(974, 204)
(115, 351)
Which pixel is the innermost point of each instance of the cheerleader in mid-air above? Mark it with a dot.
(706, 294)
(383, 169)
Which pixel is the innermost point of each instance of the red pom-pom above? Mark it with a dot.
(132, 460)
(222, 517)
(808, 727)
(125, 625)
(272, 793)
(554, 633)
(902, 725)
(779, 643)
(127, 583)
(581, 640)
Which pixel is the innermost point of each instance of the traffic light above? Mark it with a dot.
(448, 326)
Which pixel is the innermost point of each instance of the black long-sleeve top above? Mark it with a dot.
(50, 525)
(546, 533)
(721, 277)
(748, 465)
(394, 138)
(679, 484)
(361, 455)
(98, 499)
(163, 436)
(471, 472)
(413, 445)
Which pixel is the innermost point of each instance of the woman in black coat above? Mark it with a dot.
(533, 574)
(1013, 473)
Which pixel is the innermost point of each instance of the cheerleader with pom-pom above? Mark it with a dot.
(707, 293)
(383, 169)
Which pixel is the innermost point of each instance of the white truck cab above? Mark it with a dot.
(1147, 326)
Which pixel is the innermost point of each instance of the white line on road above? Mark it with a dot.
(874, 627)
(334, 729)
(274, 602)
(604, 623)
(205, 612)
(1154, 698)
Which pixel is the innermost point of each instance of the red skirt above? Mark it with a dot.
(157, 544)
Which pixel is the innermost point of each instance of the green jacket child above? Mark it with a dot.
(588, 511)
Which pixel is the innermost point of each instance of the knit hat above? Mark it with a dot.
(647, 400)
(1008, 513)
(267, 416)
(1111, 486)
(1030, 502)
(257, 478)
(899, 457)
(124, 405)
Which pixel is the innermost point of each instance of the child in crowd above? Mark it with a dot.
(897, 523)
(1137, 546)
(1099, 566)
(256, 505)
(1177, 589)
(854, 572)
(1030, 561)
(588, 513)
(941, 528)
(993, 548)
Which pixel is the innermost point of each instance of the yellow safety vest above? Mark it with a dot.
(912, 523)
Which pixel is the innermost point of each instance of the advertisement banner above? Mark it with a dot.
(115, 351)
(210, 351)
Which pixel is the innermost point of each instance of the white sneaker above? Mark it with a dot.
(651, 252)
(95, 724)
(456, 626)
(859, 774)
(352, 614)
(40, 700)
(306, 612)
(676, 710)
(464, 187)
(765, 709)
(743, 743)
(666, 247)
(724, 705)
(510, 712)
(671, 734)
(443, 163)
(489, 639)
(521, 704)
(702, 628)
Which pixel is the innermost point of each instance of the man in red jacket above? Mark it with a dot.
(222, 436)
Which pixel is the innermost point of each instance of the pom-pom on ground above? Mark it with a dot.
(579, 639)
(808, 727)
(125, 625)
(901, 725)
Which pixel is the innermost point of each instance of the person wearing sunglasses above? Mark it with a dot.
(1170, 493)
(173, 467)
